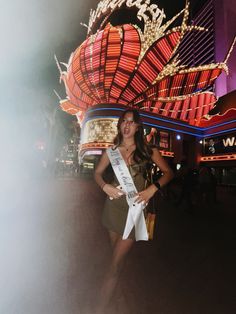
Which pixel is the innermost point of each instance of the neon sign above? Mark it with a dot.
(106, 7)
(229, 141)
(224, 144)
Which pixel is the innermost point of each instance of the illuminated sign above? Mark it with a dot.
(224, 144)
(138, 66)
(99, 130)
(158, 137)
(164, 140)
(93, 152)
(229, 141)
(105, 7)
(99, 133)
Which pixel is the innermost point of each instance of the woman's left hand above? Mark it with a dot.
(146, 195)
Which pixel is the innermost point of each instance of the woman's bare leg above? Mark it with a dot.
(120, 250)
(114, 237)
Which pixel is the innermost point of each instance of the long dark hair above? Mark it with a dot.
(143, 151)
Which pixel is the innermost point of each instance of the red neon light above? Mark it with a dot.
(218, 158)
(181, 84)
(189, 109)
(114, 66)
(100, 70)
(151, 65)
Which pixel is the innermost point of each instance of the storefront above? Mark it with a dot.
(219, 153)
(175, 139)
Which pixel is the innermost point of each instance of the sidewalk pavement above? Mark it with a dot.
(55, 253)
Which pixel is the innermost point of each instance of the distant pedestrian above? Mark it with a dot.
(188, 180)
(207, 185)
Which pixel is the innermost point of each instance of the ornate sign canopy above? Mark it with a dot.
(124, 65)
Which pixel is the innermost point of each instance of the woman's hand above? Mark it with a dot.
(113, 192)
(146, 195)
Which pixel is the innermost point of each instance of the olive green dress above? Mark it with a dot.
(115, 211)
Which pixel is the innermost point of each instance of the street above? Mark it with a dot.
(54, 253)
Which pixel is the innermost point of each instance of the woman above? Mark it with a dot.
(136, 153)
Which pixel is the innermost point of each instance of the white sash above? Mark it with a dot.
(135, 217)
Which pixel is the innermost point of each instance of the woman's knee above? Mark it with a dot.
(114, 237)
(114, 270)
(121, 249)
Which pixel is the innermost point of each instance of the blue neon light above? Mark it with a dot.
(149, 116)
(221, 124)
(221, 132)
(166, 120)
(146, 123)
(171, 129)
(98, 109)
(169, 121)
(173, 122)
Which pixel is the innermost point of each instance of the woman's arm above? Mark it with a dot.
(148, 193)
(109, 189)
(101, 167)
